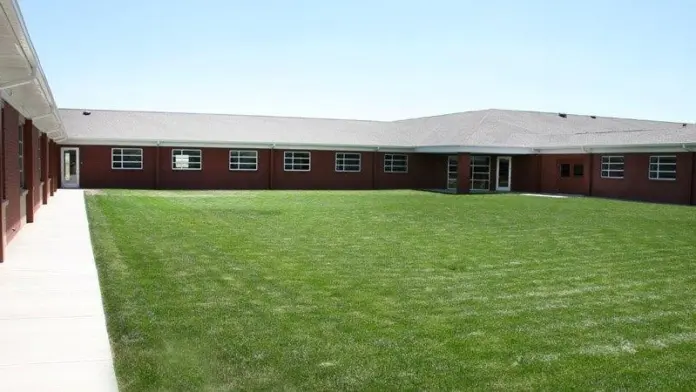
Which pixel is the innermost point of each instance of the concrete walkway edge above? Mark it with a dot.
(53, 333)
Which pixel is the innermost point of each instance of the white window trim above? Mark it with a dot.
(344, 163)
(126, 168)
(187, 168)
(391, 170)
(658, 168)
(256, 162)
(309, 164)
(472, 180)
(609, 169)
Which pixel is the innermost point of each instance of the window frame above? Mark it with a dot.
(391, 165)
(239, 162)
(658, 171)
(292, 154)
(200, 155)
(113, 149)
(609, 170)
(343, 163)
(476, 161)
(560, 170)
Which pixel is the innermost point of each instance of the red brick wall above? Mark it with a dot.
(463, 173)
(551, 181)
(637, 186)
(36, 154)
(10, 130)
(323, 173)
(693, 179)
(425, 171)
(525, 173)
(96, 171)
(215, 173)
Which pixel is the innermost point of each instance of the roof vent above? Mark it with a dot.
(86, 113)
(563, 115)
(684, 125)
(593, 116)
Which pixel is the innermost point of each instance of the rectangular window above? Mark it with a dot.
(578, 170)
(612, 166)
(395, 163)
(347, 162)
(127, 158)
(480, 173)
(663, 167)
(38, 154)
(244, 160)
(22, 176)
(297, 161)
(185, 159)
(565, 170)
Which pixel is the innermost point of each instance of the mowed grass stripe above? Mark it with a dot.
(395, 290)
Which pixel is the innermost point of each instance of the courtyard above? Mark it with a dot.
(407, 290)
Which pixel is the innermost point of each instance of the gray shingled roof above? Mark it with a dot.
(489, 128)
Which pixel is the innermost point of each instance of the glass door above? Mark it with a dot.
(69, 167)
(504, 174)
(452, 167)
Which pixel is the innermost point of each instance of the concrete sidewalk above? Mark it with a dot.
(52, 327)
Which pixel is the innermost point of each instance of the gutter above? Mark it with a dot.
(232, 144)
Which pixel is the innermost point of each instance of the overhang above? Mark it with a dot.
(23, 83)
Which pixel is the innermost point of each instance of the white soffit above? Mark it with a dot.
(23, 83)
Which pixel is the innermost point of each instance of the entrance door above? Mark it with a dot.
(69, 167)
(452, 167)
(504, 174)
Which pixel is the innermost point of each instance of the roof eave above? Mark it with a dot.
(230, 144)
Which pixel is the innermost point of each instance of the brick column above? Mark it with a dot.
(463, 168)
(45, 167)
(29, 168)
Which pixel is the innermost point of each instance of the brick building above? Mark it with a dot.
(44, 148)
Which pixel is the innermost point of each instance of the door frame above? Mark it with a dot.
(456, 159)
(497, 174)
(62, 167)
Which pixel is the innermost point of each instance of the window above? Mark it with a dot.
(578, 170)
(663, 167)
(22, 174)
(184, 159)
(127, 158)
(395, 163)
(347, 162)
(480, 173)
(39, 151)
(565, 170)
(297, 161)
(612, 166)
(244, 160)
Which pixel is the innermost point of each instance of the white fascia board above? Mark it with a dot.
(626, 149)
(244, 145)
(475, 150)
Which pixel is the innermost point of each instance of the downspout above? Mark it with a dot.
(590, 170)
(157, 163)
(692, 201)
(374, 168)
(270, 166)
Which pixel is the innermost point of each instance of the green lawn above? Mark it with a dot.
(395, 290)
